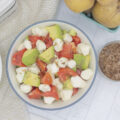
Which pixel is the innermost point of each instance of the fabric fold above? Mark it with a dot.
(27, 12)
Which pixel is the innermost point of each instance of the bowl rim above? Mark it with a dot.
(39, 22)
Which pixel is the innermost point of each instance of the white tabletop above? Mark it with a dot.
(103, 100)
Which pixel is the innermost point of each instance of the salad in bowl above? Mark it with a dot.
(52, 64)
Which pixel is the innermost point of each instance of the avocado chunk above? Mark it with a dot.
(64, 31)
(47, 55)
(67, 84)
(55, 31)
(29, 57)
(72, 32)
(31, 79)
(82, 61)
(74, 69)
(27, 38)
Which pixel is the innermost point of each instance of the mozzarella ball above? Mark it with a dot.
(20, 77)
(25, 88)
(27, 44)
(34, 69)
(20, 73)
(56, 60)
(83, 48)
(21, 47)
(52, 75)
(58, 84)
(71, 64)
(44, 87)
(40, 46)
(67, 38)
(66, 94)
(39, 32)
(87, 74)
(53, 68)
(62, 62)
(58, 44)
(56, 56)
(49, 100)
(77, 82)
(21, 70)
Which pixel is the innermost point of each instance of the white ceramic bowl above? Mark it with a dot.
(10, 69)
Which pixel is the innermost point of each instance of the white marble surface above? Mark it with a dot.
(102, 101)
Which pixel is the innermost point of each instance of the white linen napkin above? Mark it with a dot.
(28, 12)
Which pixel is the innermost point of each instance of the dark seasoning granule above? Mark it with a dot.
(109, 61)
